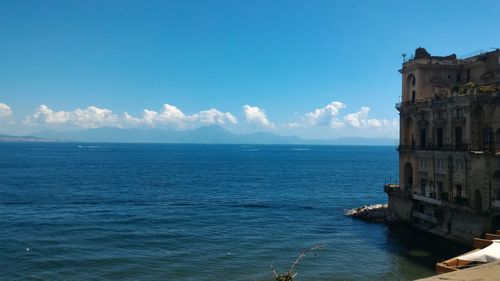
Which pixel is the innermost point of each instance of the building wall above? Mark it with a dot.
(450, 145)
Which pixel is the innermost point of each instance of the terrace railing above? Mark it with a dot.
(430, 147)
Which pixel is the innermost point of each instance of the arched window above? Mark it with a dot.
(477, 129)
(410, 88)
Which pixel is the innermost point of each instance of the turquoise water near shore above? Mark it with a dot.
(201, 212)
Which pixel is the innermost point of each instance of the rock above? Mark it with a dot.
(378, 213)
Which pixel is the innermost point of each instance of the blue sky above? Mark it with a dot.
(317, 69)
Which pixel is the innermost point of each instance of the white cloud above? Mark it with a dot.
(214, 116)
(171, 115)
(257, 116)
(360, 120)
(130, 120)
(326, 116)
(94, 117)
(5, 110)
(90, 117)
(168, 115)
(330, 116)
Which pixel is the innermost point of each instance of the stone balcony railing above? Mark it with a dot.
(475, 95)
(427, 199)
(403, 104)
(430, 147)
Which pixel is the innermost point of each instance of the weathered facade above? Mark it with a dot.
(449, 152)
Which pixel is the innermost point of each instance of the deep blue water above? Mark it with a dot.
(200, 212)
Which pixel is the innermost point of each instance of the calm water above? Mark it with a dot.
(200, 212)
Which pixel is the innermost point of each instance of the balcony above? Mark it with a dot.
(480, 94)
(403, 104)
(427, 199)
(424, 217)
(429, 147)
(487, 98)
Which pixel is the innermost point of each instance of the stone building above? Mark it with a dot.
(449, 152)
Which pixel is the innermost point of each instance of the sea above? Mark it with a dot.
(80, 211)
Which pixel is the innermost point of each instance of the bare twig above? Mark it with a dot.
(290, 274)
(274, 272)
(303, 254)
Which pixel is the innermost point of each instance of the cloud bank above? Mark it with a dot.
(95, 117)
(90, 117)
(330, 116)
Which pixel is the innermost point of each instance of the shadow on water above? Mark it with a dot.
(420, 247)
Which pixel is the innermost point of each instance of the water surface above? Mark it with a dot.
(201, 212)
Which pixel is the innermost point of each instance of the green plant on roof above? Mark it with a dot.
(462, 89)
(469, 85)
(487, 89)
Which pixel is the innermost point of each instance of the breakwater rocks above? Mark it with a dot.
(378, 213)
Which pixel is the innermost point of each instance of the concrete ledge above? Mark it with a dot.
(487, 272)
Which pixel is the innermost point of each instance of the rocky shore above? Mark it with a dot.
(378, 213)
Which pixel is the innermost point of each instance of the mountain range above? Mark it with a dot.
(209, 134)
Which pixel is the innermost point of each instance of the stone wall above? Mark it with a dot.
(459, 224)
(401, 207)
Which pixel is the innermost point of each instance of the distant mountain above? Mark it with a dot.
(110, 134)
(359, 141)
(7, 138)
(209, 134)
